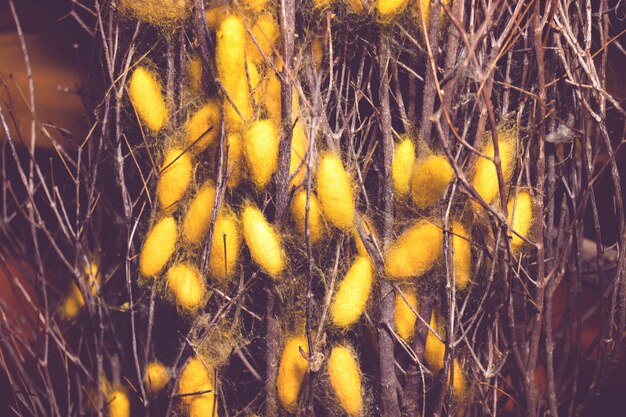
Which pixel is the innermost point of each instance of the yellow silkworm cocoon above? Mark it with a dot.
(145, 94)
(204, 126)
(73, 301)
(520, 213)
(224, 247)
(118, 403)
(291, 371)
(298, 212)
(194, 72)
(335, 192)
(459, 384)
(230, 58)
(435, 349)
(265, 31)
(298, 163)
(415, 251)
(263, 241)
(404, 315)
(260, 149)
(158, 12)
(214, 15)
(158, 247)
(187, 286)
(254, 6)
(353, 293)
(485, 180)
(203, 407)
(402, 167)
(462, 255)
(429, 180)
(157, 376)
(235, 149)
(174, 179)
(196, 378)
(198, 218)
(356, 6)
(345, 379)
(370, 230)
(387, 9)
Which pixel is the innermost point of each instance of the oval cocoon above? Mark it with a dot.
(195, 377)
(262, 241)
(459, 384)
(298, 212)
(415, 251)
(260, 149)
(435, 349)
(118, 404)
(144, 90)
(157, 376)
(462, 256)
(485, 180)
(429, 180)
(198, 218)
(520, 213)
(345, 379)
(174, 179)
(387, 9)
(158, 247)
(353, 293)
(187, 286)
(404, 315)
(225, 247)
(335, 192)
(402, 166)
(291, 371)
(73, 301)
(204, 126)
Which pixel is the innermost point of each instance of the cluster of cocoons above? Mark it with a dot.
(353, 293)
(73, 301)
(157, 376)
(345, 379)
(146, 96)
(196, 388)
(291, 370)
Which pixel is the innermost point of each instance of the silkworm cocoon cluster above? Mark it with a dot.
(404, 315)
(204, 126)
(485, 180)
(194, 73)
(158, 247)
(254, 6)
(186, 284)
(298, 212)
(215, 14)
(520, 213)
(345, 379)
(260, 149)
(387, 9)
(175, 177)
(198, 379)
(462, 256)
(291, 371)
(370, 230)
(230, 58)
(263, 241)
(415, 251)
(335, 191)
(265, 31)
(118, 403)
(435, 349)
(157, 12)
(235, 150)
(145, 94)
(429, 180)
(297, 163)
(402, 167)
(157, 376)
(224, 247)
(198, 218)
(353, 293)
(73, 301)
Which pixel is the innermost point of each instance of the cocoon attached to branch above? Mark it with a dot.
(435, 349)
(174, 178)
(263, 241)
(225, 246)
(73, 301)
(196, 378)
(415, 251)
(203, 127)
(520, 213)
(260, 148)
(187, 286)
(388, 9)
(402, 167)
(485, 180)
(353, 293)
(118, 403)
(459, 384)
(345, 379)
(158, 12)
(230, 58)
(265, 31)
(298, 212)
(145, 94)
(158, 247)
(157, 376)
(404, 316)
(335, 192)
(291, 371)
(429, 180)
(198, 218)
(462, 255)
